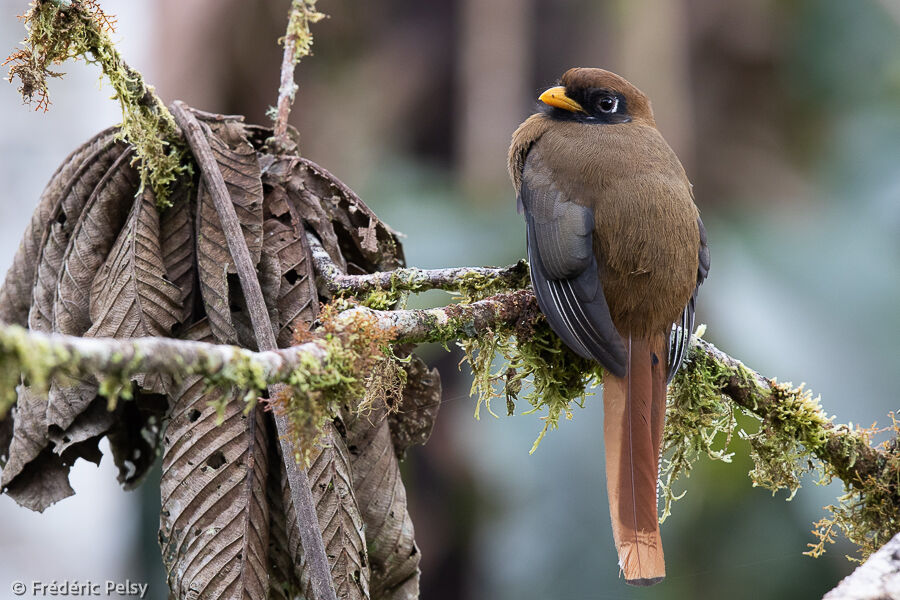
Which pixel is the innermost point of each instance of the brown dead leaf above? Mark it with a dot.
(136, 298)
(178, 248)
(412, 423)
(95, 232)
(393, 554)
(63, 219)
(16, 292)
(339, 518)
(297, 298)
(214, 525)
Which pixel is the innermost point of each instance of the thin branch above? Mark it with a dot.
(331, 278)
(297, 41)
(298, 481)
(58, 30)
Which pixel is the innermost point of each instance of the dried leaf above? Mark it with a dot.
(177, 243)
(63, 219)
(36, 476)
(411, 425)
(92, 238)
(44, 482)
(30, 434)
(297, 298)
(339, 519)
(213, 264)
(351, 233)
(239, 165)
(16, 293)
(67, 400)
(393, 554)
(375, 246)
(214, 523)
(280, 175)
(136, 299)
(92, 422)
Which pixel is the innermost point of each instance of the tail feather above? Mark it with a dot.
(634, 412)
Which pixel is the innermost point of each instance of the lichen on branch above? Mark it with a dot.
(59, 30)
(789, 435)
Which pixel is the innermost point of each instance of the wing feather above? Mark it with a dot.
(566, 278)
(680, 338)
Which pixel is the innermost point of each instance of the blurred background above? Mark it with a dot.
(786, 114)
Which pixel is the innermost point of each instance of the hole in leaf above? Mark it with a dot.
(292, 276)
(193, 415)
(216, 460)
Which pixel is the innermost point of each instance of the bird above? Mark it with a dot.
(617, 252)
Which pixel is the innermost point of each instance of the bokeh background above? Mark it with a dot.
(786, 114)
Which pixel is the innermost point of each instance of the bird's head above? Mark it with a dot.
(596, 96)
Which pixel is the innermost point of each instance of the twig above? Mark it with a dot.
(59, 30)
(297, 41)
(287, 89)
(333, 279)
(307, 518)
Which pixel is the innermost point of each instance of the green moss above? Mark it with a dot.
(58, 32)
(475, 286)
(553, 378)
(699, 422)
(358, 370)
(788, 435)
(303, 13)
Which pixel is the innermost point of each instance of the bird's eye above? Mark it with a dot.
(609, 104)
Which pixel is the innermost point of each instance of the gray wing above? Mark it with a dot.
(680, 338)
(565, 276)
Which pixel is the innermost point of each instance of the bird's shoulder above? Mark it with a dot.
(524, 137)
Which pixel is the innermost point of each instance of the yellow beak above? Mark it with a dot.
(556, 96)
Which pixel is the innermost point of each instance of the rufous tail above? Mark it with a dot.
(634, 413)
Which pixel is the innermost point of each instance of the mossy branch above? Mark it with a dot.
(297, 42)
(40, 356)
(466, 280)
(793, 436)
(59, 30)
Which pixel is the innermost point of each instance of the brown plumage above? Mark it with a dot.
(617, 253)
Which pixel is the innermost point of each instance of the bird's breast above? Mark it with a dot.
(646, 236)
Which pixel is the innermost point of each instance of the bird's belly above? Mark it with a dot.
(649, 273)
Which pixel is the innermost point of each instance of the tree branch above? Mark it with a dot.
(41, 356)
(59, 30)
(330, 277)
(847, 451)
(297, 42)
(844, 449)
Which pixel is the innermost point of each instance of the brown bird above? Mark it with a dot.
(617, 253)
